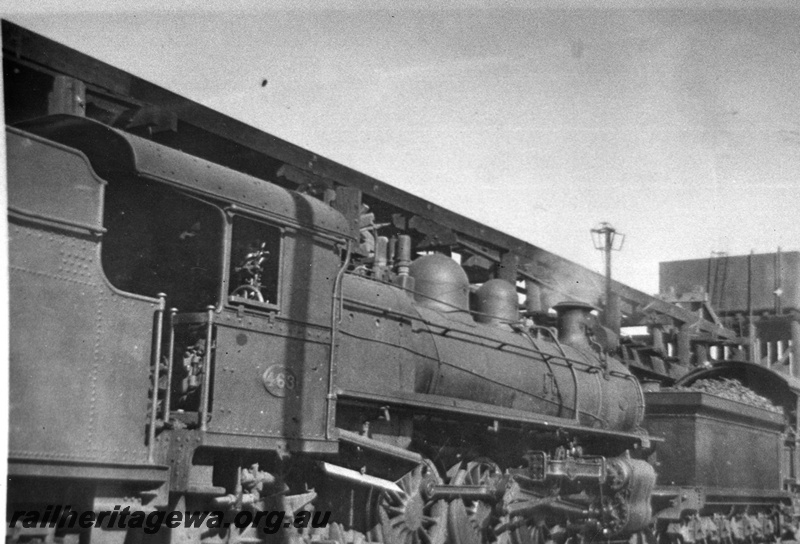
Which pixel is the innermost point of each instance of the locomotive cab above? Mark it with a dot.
(235, 267)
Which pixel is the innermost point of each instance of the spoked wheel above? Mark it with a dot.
(407, 517)
(472, 522)
(249, 292)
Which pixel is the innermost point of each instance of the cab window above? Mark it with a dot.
(255, 263)
(159, 240)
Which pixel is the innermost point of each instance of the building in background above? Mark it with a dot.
(756, 295)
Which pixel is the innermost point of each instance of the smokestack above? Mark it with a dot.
(574, 319)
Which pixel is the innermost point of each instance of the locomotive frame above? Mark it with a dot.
(353, 410)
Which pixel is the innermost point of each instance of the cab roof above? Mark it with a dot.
(112, 153)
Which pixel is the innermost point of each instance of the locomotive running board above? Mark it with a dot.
(380, 447)
(49, 468)
(421, 402)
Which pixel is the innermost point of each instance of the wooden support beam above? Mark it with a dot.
(68, 96)
(507, 268)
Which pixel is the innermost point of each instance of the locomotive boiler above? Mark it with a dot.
(222, 343)
(484, 355)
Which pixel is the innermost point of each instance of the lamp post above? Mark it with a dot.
(607, 239)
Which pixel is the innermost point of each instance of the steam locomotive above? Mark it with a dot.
(189, 337)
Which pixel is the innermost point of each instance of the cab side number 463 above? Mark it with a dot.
(278, 380)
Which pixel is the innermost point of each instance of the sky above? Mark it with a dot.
(678, 125)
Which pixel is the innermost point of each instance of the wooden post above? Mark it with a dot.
(685, 345)
(795, 369)
(657, 333)
(348, 203)
(755, 344)
(507, 270)
(701, 354)
(68, 96)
